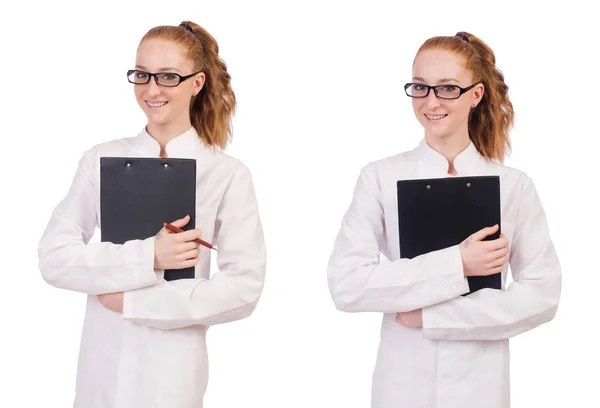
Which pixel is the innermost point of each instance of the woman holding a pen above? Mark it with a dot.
(439, 348)
(144, 338)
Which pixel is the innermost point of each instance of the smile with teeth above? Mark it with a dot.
(156, 104)
(435, 117)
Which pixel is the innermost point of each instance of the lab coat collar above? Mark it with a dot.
(184, 145)
(463, 163)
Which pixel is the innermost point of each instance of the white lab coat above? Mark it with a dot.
(154, 354)
(460, 358)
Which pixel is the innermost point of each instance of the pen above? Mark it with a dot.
(173, 228)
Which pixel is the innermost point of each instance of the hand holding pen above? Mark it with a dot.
(175, 229)
(177, 249)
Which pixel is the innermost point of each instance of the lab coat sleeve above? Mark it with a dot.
(68, 261)
(360, 282)
(529, 301)
(233, 292)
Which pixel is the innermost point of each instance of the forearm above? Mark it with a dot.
(493, 315)
(398, 286)
(172, 305)
(67, 262)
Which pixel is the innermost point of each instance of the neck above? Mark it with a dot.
(449, 147)
(163, 134)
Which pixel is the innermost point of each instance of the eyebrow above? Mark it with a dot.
(165, 69)
(441, 80)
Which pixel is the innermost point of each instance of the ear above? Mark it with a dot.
(478, 92)
(199, 81)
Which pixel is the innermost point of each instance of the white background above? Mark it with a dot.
(320, 94)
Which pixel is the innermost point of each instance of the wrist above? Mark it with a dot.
(156, 262)
(462, 260)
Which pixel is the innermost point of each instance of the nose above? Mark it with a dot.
(153, 88)
(432, 101)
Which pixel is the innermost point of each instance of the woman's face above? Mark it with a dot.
(166, 106)
(443, 118)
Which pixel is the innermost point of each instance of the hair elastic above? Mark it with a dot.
(187, 27)
(463, 37)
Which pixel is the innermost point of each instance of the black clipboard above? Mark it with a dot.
(438, 213)
(137, 194)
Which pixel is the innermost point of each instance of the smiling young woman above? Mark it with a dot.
(173, 66)
(144, 338)
(483, 116)
(437, 347)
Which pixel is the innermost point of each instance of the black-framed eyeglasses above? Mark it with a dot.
(162, 78)
(416, 90)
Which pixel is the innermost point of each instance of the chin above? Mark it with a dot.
(436, 132)
(158, 119)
